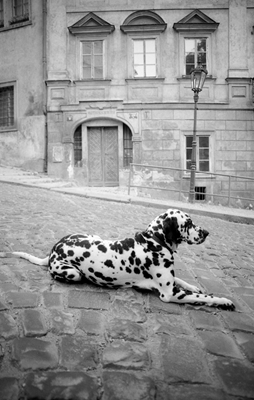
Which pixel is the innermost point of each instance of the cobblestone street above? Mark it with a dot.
(80, 341)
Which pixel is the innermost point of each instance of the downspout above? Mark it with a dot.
(44, 64)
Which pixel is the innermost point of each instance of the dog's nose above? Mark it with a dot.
(206, 233)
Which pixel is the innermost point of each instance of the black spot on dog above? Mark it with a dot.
(104, 278)
(147, 275)
(86, 254)
(70, 253)
(172, 272)
(90, 269)
(127, 269)
(136, 270)
(147, 263)
(117, 247)
(102, 248)
(158, 275)
(138, 261)
(167, 263)
(109, 264)
(131, 260)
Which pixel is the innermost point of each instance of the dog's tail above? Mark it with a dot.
(26, 256)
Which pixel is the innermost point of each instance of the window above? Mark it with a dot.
(1, 13)
(20, 10)
(127, 146)
(77, 147)
(196, 41)
(195, 52)
(6, 106)
(144, 58)
(202, 153)
(92, 53)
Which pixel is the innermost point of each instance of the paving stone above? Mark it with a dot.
(9, 389)
(183, 360)
(62, 322)
(169, 324)
(214, 286)
(92, 322)
(3, 306)
(23, 299)
(246, 342)
(87, 299)
(61, 385)
(237, 377)
(219, 343)
(238, 321)
(76, 353)
(125, 355)
(125, 386)
(203, 320)
(156, 305)
(8, 326)
(249, 300)
(131, 310)
(33, 323)
(192, 392)
(7, 287)
(34, 354)
(126, 329)
(52, 300)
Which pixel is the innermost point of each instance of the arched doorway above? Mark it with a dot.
(102, 150)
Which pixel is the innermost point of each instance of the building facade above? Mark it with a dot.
(88, 87)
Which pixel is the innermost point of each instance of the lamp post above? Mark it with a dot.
(198, 76)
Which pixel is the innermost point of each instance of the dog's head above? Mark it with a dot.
(174, 227)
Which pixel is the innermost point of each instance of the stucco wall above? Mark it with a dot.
(22, 65)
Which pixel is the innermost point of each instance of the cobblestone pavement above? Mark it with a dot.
(60, 341)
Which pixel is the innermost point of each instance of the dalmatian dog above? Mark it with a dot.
(143, 262)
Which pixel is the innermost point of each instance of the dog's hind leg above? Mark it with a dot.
(66, 272)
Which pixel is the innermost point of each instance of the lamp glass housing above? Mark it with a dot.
(198, 76)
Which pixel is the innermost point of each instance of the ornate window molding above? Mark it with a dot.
(196, 21)
(143, 22)
(91, 24)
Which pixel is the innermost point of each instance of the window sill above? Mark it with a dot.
(200, 175)
(6, 129)
(145, 79)
(92, 81)
(187, 77)
(15, 25)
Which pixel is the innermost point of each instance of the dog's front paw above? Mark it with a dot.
(226, 304)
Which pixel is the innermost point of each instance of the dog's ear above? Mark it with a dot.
(171, 230)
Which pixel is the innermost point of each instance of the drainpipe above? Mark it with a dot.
(44, 64)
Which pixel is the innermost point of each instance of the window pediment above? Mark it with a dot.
(196, 21)
(143, 22)
(91, 24)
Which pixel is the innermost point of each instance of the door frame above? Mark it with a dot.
(101, 122)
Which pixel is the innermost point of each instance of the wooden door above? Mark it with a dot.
(102, 156)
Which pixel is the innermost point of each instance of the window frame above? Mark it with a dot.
(24, 17)
(2, 12)
(144, 55)
(195, 35)
(201, 174)
(104, 61)
(14, 126)
(92, 63)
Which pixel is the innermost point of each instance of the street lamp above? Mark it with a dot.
(198, 76)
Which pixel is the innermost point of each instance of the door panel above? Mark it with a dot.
(103, 156)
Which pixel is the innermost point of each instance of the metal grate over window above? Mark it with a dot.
(127, 146)
(78, 147)
(200, 193)
(6, 106)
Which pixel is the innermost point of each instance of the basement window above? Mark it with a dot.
(200, 193)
